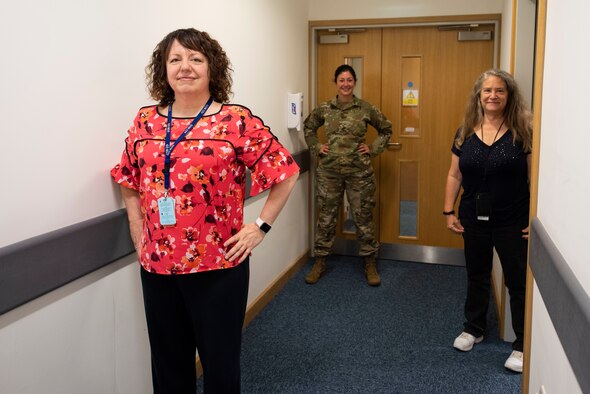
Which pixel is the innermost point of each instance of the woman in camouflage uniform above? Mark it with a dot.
(344, 164)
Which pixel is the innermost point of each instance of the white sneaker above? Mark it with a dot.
(514, 362)
(465, 341)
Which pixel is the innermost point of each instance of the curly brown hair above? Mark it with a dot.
(220, 80)
(517, 115)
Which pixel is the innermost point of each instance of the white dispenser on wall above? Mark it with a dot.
(295, 112)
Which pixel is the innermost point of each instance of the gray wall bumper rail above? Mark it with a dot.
(36, 266)
(566, 300)
(33, 267)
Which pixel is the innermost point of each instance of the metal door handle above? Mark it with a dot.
(396, 145)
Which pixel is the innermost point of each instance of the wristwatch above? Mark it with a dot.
(263, 225)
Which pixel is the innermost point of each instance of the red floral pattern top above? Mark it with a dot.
(207, 181)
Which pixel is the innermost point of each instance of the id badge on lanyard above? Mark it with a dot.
(167, 211)
(166, 204)
(483, 206)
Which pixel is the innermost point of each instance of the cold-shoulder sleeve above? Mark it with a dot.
(268, 160)
(126, 172)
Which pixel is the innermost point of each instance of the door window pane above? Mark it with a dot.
(408, 202)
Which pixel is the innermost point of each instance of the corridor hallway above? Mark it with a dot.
(343, 336)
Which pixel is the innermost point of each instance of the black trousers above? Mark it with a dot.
(202, 311)
(512, 250)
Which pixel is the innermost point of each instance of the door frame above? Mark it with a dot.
(414, 253)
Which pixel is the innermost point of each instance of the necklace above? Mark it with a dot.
(495, 136)
(491, 146)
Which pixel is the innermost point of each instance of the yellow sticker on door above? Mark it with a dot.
(410, 98)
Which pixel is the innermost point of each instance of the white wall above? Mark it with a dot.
(353, 9)
(86, 337)
(72, 79)
(505, 41)
(563, 174)
(549, 364)
(563, 186)
(525, 48)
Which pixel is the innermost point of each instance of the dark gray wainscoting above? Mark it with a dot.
(566, 300)
(36, 266)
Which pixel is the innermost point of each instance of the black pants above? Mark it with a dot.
(512, 251)
(202, 311)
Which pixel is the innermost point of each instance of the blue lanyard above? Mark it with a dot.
(168, 149)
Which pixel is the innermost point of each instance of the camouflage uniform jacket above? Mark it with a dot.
(346, 127)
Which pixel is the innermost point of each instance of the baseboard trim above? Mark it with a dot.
(267, 295)
(405, 252)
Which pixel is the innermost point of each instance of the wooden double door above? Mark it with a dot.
(420, 77)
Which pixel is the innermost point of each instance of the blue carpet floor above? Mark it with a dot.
(343, 336)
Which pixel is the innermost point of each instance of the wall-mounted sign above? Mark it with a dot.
(410, 98)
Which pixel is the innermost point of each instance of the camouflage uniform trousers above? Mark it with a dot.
(358, 179)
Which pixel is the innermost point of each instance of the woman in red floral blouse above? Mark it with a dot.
(183, 180)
